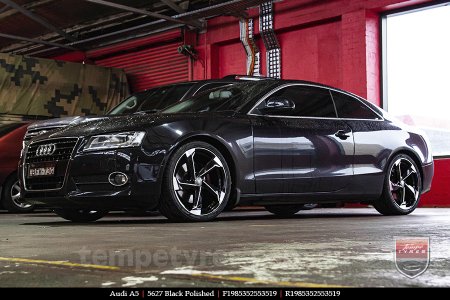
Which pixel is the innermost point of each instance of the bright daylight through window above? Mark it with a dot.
(417, 72)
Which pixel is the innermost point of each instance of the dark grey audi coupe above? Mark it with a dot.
(277, 143)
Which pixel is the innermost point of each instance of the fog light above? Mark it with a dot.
(118, 178)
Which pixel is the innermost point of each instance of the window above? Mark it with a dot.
(226, 98)
(416, 71)
(350, 108)
(165, 96)
(210, 86)
(309, 102)
(129, 105)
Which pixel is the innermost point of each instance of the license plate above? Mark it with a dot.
(41, 170)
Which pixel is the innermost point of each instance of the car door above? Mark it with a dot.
(367, 128)
(304, 149)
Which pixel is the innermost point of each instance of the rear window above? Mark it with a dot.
(349, 107)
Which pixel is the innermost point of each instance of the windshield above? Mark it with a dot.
(152, 100)
(227, 98)
(129, 105)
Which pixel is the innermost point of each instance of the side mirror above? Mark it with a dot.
(274, 105)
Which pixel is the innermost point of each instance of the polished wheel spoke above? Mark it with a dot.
(212, 190)
(395, 186)
(412, 190)
(199, 180)
(410, 172)
(198, 198)
(403, 197)
(187, 184)
(212, 164)
(399, 171)
(191, 163)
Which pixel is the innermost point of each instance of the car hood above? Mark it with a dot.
(110, 124)
(58, 122)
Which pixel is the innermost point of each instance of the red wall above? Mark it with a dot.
(440, 187)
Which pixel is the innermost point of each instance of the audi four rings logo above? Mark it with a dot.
(44, 150)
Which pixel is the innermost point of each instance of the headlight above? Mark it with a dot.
(114, 140)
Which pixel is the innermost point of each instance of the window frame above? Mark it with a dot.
(251, 112)
(380, 117)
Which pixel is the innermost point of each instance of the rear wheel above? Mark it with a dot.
(80, 215)
(309, 206)
(284, 210)
(402, 187)
(197, 183)
(11, 197)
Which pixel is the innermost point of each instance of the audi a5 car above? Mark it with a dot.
(276, 143)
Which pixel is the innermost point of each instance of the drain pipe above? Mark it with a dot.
(252, 51)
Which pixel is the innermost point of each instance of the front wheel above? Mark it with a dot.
(11, 197)
(197, 183)
(80, 215)
(402, 187)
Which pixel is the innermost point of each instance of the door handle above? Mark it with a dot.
(342, 134)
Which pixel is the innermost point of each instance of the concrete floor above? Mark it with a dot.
(322, 247)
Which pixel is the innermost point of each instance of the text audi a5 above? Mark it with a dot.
(277, 143)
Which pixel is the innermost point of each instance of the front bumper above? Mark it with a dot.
(86, 184)
(427, 176)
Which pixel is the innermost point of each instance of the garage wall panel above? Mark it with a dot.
(150, 67)
(232, 59)
(312, 53)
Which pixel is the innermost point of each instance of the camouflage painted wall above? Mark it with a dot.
(35, 86)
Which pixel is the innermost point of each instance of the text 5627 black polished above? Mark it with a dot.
(280, 144)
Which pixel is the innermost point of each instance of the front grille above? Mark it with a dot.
(33, 132)
(50, 183)
(63, 150)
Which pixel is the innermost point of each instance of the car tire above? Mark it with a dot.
(284, 210)
(80, 215)
(196, 184)
(11, 197)
(401, 188)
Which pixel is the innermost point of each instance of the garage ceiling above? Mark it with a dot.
(51, 27)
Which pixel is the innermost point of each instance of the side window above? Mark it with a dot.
(210, 86)
(350, 108)
(165, 96)
(175, 94)
(308, 101)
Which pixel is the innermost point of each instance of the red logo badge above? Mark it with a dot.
(412, 255)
